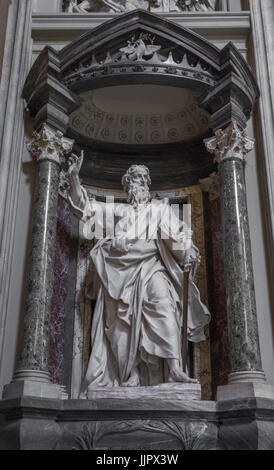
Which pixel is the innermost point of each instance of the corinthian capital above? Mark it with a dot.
(229, 144)
(49, 145)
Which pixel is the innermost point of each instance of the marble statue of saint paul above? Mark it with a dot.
(136, 336)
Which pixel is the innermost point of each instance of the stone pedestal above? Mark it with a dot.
(245, 390)
(148, 424)
(166, 391)
(33, 384)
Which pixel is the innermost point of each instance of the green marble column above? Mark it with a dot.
(48, 147)
(230, 148)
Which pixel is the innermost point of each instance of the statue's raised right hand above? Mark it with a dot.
(75, 164)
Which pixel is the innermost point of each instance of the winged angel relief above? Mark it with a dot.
(137, 49)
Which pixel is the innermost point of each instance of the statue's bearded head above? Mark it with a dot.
(136, 183)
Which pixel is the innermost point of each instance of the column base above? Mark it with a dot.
(32, 383)
(245, 384)
(245, 390)
(246, 376)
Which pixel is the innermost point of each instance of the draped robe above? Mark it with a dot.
(138, 286)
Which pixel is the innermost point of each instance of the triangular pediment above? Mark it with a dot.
(177, 50)
(115, 33)
(142, 48)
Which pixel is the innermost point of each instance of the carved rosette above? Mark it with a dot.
(49, 145)
(232, 143)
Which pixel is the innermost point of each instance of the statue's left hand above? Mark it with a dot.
(121, 244)
(191, 257)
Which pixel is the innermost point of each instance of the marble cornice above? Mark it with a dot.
(85, 410)
(53, 26)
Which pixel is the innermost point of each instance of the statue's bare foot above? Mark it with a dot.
(133, 380)
(176, 375)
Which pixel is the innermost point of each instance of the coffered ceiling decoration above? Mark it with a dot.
(139, 114)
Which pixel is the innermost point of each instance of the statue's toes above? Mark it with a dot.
(125, 384)
(193, 381)
(131, 383)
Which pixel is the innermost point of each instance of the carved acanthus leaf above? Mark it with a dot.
(49, 144)
(190, 435)
(229, 143)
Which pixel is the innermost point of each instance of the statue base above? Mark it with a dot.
(31, 423)
(166, 391)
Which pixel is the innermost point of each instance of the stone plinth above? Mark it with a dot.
(34, 384)
(127, 424)
(245, 390)
(166, 391)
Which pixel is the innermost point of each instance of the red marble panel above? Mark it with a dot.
(57, 333)
(219, 295)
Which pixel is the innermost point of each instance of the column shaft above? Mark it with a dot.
(230, 147)
(31, 376)
(36, 332)
(241, 305)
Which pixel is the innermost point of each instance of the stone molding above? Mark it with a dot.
(68, 26)
(232, 143)
(231, 424)
(48, 99)
(165, 391)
